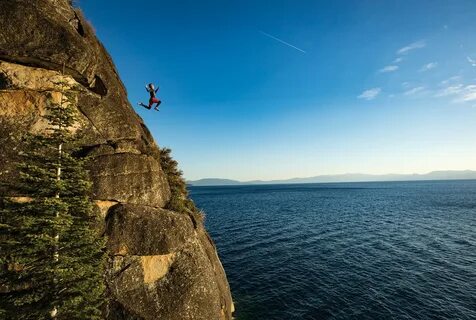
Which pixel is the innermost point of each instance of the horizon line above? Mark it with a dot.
(337, 174)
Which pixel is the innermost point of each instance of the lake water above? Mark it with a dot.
(394, 250)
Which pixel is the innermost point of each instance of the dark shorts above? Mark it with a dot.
(153, 100)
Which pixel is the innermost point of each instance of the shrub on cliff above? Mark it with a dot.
(179, 200)
(51, 260)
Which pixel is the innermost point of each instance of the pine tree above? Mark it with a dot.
(51, 257)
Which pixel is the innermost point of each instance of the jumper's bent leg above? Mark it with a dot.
(157, 105)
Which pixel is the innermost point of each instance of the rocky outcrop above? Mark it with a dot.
(162, 264)
(130, 178)
(170, 260)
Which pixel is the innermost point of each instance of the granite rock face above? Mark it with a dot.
(162, 264)
(159, 254)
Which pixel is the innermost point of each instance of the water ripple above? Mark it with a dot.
(403, 250)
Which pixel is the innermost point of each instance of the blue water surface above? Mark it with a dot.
(393, 250)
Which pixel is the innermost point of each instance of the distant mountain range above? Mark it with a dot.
(348, 177)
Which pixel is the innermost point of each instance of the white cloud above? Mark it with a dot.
(414, 91)
(415, 45)
(460, 92)
(429, 66)
(388, 69)
(370, 94)
(468, 94)
(471, 61)
(405, 84)
(450, 90)
(450, 80)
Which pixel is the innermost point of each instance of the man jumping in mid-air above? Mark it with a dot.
(153, 99)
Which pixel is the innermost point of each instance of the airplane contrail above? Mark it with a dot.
(279, 40)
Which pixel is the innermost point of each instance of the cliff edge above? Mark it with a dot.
(162, 264)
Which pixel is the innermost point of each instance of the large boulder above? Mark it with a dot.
(130, 178)
(162, 264)
(157, 256)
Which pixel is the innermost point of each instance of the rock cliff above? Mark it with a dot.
(162, 264)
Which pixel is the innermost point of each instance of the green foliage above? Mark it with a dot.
(51, 257)
(10, 146)
(179, 200)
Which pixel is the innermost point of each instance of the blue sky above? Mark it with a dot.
(280, 89)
